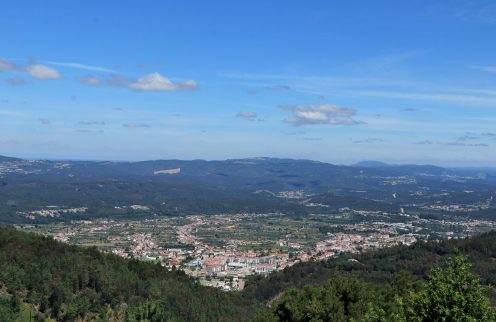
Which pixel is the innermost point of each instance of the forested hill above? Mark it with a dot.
(259, 185)
(43, 278)
(46, 278)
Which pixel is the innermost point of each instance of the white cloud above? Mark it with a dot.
(43, 72)
(320, 114)
(157, 82)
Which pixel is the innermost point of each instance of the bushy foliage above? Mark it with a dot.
(452, 293)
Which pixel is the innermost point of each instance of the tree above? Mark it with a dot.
(340, 299)
(452, 293)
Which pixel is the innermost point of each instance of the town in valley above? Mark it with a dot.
(223, 250)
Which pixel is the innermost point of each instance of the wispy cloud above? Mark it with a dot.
(328, 114)
(35, 70)
(118, 81)
(86, 131)
(384, 62)
(280, 87)
(81, 66)
(488, 69)
(250, 116)
(365, 86)
(15, 81)
(368, 141)
(464, 144)
(9, 142)
(90, 80)
(468, 136)
(409, 109)
(135, 125)
(312, 139)
(92, 122)
(457, 143)
(44, 121)
(149, 82)
(424, 142)
(450, 98)
(6, 65)
(43, 72)
(476, 11)
(296, 133)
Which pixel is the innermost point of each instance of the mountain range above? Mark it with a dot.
(237, 185)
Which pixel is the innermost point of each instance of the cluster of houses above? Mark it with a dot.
(52, 211)
(354, 243)
(240, 263)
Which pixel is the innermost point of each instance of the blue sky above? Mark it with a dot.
(335, 81)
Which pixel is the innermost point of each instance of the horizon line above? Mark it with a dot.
(385, 164)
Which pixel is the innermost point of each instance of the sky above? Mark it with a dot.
(333, 81)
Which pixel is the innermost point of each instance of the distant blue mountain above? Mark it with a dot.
(232, 186)
(6, 159)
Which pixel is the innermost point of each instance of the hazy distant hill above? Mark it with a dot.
(7, 159)
(239, 185)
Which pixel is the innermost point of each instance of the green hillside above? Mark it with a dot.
(51, 281)
(69, 283)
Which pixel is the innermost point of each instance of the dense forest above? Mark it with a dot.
(45, 280)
